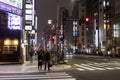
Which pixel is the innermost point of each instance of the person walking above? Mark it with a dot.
(47, 60)
(31, 55)
(40, 59)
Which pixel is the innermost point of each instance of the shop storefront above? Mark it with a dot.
(10, 30)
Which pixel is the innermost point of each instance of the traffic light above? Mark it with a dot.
(53, 37)
(87, 19)
(84, 20)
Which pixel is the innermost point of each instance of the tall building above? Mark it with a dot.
(106, 22)
(29, 30)
(117, 27)
(99, 30)
(79, 29)
(91, 26)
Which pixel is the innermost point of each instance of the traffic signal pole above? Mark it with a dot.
(62, 32)
(57, 24)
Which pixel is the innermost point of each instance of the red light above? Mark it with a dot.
(87, 19)
(52, 38)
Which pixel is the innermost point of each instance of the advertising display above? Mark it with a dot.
(15, 3)
(14, 21)
(10, 8)
(29, 14)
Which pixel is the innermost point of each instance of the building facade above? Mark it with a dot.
(117, 27)
(10, 33)
(106, 22)
(97, 33)
(29, 31)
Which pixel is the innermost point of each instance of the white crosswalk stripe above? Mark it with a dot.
(46, 76)
(97, 66)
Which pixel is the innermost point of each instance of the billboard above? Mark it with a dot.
(15, 3)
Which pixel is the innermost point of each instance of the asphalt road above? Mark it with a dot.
(86, 67)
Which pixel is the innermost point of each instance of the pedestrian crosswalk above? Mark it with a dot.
(97, 66)
(45, 76)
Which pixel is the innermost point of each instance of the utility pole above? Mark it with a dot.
(57, 25)
(62, 33)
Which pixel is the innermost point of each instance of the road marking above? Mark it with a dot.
(97, 66)
(80, 69)
(47, 76)
(93, 67)
(117, 67)
(84, 67)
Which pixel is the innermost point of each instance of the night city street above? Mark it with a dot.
(59, 39)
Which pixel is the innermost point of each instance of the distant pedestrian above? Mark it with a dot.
(47, 60)
(31, 55)
(40, 59)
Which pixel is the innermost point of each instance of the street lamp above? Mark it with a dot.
(46, 34)
(49, 21)
(43, 40)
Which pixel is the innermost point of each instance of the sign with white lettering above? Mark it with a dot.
(15, 3)
(28, 1)
(10, 9)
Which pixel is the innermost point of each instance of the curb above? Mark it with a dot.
(28, 67)
(55, 67)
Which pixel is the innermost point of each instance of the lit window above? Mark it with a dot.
(15, 42)
(7, 42)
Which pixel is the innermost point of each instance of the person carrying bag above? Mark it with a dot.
(47, 60)
(40, 59)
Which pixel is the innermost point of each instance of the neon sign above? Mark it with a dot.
(10, 9)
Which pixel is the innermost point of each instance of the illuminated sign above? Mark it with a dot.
(28, 6)
(14, 21)
(15, 3)
(29, 14)
(75, 33)
(75, 30)
(28, 28)
(28, 1)
(28, 11)
(28, 17)
(10, 9)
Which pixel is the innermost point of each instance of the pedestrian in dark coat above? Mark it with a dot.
(47, 60)
(40, 59)
(31, 55)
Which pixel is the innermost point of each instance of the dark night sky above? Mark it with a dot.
(47, 9)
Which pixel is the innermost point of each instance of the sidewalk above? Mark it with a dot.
(28, 67)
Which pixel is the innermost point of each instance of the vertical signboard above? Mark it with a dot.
(75, 31)
(28, 14)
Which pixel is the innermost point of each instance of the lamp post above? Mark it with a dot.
(57, 24)
(46, 34)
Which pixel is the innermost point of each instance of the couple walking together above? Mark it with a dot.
(43, 58)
